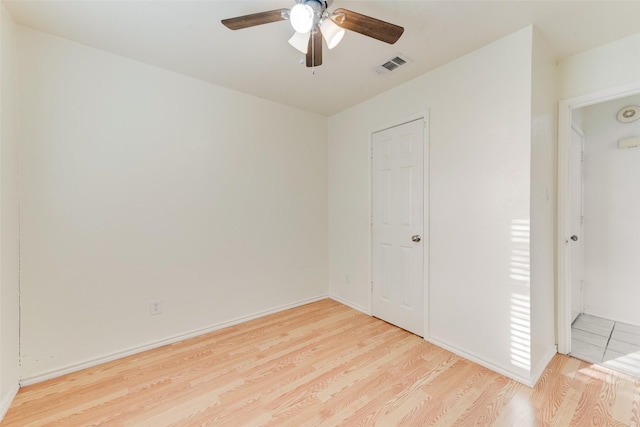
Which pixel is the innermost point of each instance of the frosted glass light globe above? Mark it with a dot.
(331, 32)
(301, 17)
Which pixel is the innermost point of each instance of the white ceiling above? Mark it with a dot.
(186, 36)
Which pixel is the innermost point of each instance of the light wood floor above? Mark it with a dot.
(322, 364)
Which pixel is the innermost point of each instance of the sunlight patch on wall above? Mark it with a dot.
(520, 331)
(520, 305)
(520, 266)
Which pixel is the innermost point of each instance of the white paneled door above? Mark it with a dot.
(576, 242)
(398, 226)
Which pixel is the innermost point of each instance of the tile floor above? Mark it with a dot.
(612, 344)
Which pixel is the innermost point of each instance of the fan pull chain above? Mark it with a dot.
(313, 53)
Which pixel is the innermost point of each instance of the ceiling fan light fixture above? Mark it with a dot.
(302, 17)
(310, 18)
(331, 32)
(300, 41)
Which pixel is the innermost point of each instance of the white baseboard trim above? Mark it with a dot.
(351, 305)
(539, 370)
(7, 400)
(480, 361)
(171, 340)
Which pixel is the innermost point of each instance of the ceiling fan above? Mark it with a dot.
(312, 21)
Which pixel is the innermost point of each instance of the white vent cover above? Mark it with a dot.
(629, 114)
(392, 64)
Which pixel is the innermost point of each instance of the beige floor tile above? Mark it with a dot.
(630, 329)
(611, 344)
(585, 351)
(595, 328)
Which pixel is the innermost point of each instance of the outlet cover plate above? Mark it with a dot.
(156, 306)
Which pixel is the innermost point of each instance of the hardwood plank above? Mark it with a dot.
(322, 364)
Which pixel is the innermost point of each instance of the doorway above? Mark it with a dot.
(399, 225)
(598, 319)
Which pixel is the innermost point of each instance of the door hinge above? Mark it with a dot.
(371, 286)
(581, 219)
(582, 156)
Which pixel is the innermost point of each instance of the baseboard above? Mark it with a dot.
(480, 361)
(171, 340)
(539, 370)
(5, 404)
(351, 305)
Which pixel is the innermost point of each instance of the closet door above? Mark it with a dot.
(398, 226)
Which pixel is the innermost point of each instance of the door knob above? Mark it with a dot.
(416, 238)
(574, 238)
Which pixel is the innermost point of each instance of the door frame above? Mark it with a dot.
(424, 116)
(563, 270)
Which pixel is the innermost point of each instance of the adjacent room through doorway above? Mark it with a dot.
(605, 224)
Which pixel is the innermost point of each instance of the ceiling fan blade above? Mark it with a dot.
(254, 19)
(314, 51)
(363, 24)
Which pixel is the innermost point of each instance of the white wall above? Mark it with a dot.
(138, 183)
(9, 230)
(480, 157)
(614, 64)
(612, 214)
(544, 116)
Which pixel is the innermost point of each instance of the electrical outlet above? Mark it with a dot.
(156, 306)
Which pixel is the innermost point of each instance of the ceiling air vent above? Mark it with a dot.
(392, 64)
